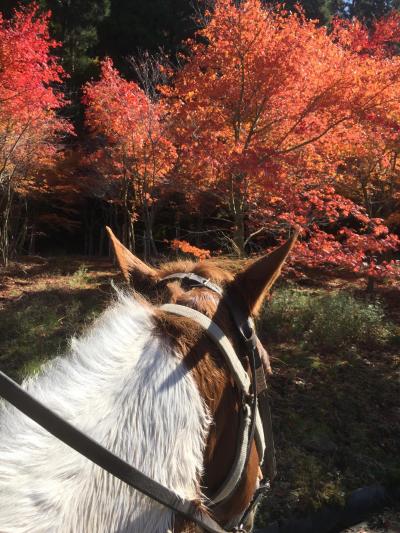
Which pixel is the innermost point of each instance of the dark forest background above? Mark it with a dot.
(124, 30)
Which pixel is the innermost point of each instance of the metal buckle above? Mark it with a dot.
(264, 487)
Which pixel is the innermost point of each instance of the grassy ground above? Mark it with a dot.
(42, 303)
(335, 389)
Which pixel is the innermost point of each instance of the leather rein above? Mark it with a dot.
(255, 419)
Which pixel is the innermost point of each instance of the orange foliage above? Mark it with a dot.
(138, 155)
(29, 123)
(30, 127)
(187, 248)
(267, 84)
(281, 121)
(132, 125)
(269, 109)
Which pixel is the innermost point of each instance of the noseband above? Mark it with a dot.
(255, 417)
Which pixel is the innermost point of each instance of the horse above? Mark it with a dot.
(155, 390)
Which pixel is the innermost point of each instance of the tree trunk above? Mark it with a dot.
(237, 208)
(238, 234)
(150, 249)
(131, 235)
(370, 285)
(21, 233)
(5, 225)
(32, 241)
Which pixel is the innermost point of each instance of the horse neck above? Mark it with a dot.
(124, 386)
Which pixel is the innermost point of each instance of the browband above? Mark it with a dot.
(197, 280)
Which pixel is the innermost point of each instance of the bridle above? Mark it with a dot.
(254, 425)
(255, 414)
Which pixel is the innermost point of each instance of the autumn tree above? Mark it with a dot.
(263, 106)
(259, 85)
(30, 127)
(370, 172)
(134, 152)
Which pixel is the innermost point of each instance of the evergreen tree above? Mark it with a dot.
(368, 9)
(322, 10)
(135, 25)
(75, 24)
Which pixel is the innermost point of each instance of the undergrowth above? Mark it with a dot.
(334, 396)
(80, 277)
(327, 321)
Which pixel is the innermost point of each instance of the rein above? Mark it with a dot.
(255, 422)
(102, 457)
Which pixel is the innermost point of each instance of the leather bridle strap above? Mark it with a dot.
(198, 280)
(239, 374)
(102, 457)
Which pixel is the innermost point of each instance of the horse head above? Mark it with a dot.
(228, 299)
(170, 381)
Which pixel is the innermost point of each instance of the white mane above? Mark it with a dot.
(122, 385)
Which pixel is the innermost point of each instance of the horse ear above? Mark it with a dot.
(257, 279)
(132, 268)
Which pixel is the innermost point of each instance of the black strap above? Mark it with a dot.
(99, 455)
(193, 278)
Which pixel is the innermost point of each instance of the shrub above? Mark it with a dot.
(80, 277)
(328, 320)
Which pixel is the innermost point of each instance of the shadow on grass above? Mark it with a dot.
(337, 427)
(37, 326)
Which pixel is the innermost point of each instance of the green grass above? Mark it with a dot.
(37, 327)
(336, 427)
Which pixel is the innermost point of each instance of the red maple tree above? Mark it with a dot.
(30, 127)
(135, 152)
(267, 108)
